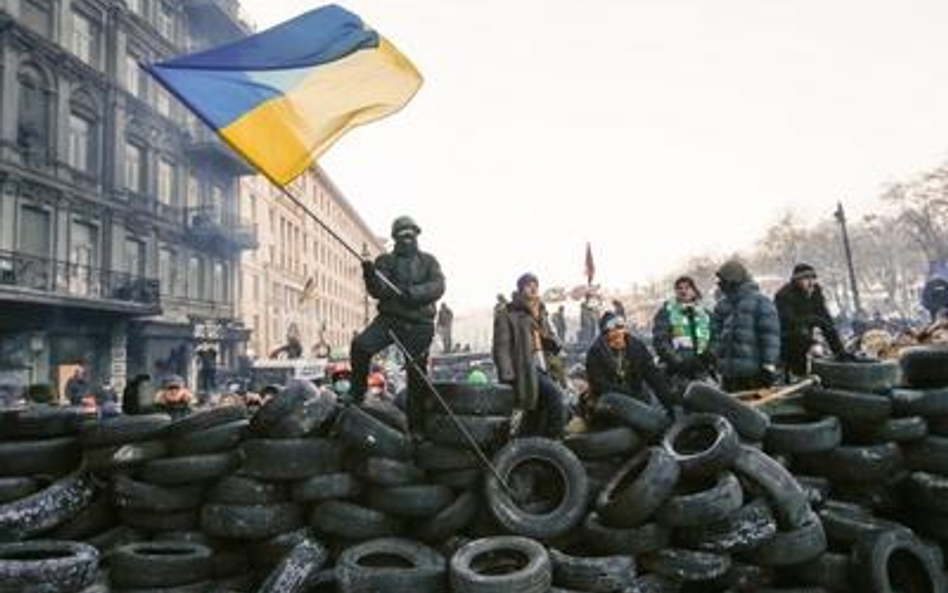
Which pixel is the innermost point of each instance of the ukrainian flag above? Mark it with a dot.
(281, 97)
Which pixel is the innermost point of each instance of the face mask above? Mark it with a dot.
(406, 244)
(341, 387)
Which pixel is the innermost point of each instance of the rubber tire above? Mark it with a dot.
(175, 471)
(293, 572)
(741, 531)
(117, 458)
(353, 522)
(712, 457)
(326, 487)
(697, 503)
(290, 459)
(160, 564)
(830, 571)
(871, 565)
(40, 422)
(603, 444)
(16, 488)
(788, 548)
(927, 491)
(928, 455)
(645, 418)
(787, 498)
(623, 503)
(310, 418)
(217, 439)
(54, 457)
(802, 433)
(250, 521)
(187, 520)
(844, 528)
(461, 479)
(449, 521)
(430, 456)
(48, 566)
(921, 402)
(893, 430)
(601, 574)
(749, 422)
(41, 511)
(389, 472)
(96, 517)
(280, 405)
(129, 493)
(924, 367)
(687, 565)
(487, 431)
(244, 490)
(856, 376)
(854, 464)
(532, 576)
(552, 524)
(418, 501)
(371, 437)
(475, 400)
(203, 420)
(848, 405)
(643, 539)
(124, 429)
(426, 571)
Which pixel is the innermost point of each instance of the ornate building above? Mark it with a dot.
(119, 231)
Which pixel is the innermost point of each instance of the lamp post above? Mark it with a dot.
(840, 215)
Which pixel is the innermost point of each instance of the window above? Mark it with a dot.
(84, 257)
(133, 75)
(136, 6)
(163, 102)
(217, 203)
(166, 174)
(81, 149)
(166, 20)
(33, 115)
(85, 39)
(195, 278)
(220, 290)
(134, 257)
(37, 15)
(194, 192)
(166, 270)
(134, 167)
(33, 237)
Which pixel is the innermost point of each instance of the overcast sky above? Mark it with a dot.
(656, 129)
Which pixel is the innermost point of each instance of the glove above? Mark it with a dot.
(768, 376)
(368, 266)
(692, 366)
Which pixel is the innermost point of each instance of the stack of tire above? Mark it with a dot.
(850, 447)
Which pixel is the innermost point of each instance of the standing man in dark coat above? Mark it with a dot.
(409, 312)
(802, 308)
(445, 325)
(523, 345)
(745, 332)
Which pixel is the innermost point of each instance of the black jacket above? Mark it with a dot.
(639, 370)
(418, 277)
(799, 315)
(512, 348)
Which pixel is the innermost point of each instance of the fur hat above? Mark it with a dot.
(733, 272)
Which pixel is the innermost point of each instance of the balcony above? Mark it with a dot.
(211, 228)
(219, 20)
(41, 280)
(196, 308)
(206, 145)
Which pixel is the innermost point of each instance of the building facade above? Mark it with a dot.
(119, 231)
(300, 281)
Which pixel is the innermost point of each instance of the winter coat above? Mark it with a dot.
(639, 370)
(665, 334)
(512, 348)
(420, 280)
(745, 332)
(799, 314)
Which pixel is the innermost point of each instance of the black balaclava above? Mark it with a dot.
(406, 244)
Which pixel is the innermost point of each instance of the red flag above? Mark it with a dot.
(590, 264)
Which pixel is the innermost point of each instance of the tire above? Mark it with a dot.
(371, 437)
(16, 488)
(160, 564)
(48, 566)
(927, 491)
(53, 457)
(175, 471)
(746, 578)
(638, 489)
(449, 521)
(702, 444)
(846, 527)
(475, 400)
(293, 572)
(549, 521)
(893, 430)
(116, 458)
(487, 431)
(243, 490)
(309, 418)
(787, 498)
(128, 493)
(461, 479)
(653, 583)
(32, 515)
(290, 459)
(326, 487)
(927, 403)
(896, 562)
(741, 531)
(266, 554)
(650, 537)
(109, 540)
(702, 501)
(418, 501)
(387, 413)
(124, 429)
(40, 422)
(853, 463)
(280, 405)
(817, 489)
(390, 472)
(95, 518)
(830, 571)
(749, 422)
(788, 548)
(602, 574)
(857, 376)
(644, 418)
(187, 520)
(613, 442)
(391, 564)
(250, 521)
(802, 433)
(928, 455)
(925, 367)
(436, 457)
(203, 420)
(216, 439)
(353, 522)
(848, 405)
(687, 565)
(501, 565)
(201, 587)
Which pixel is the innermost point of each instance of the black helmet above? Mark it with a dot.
(404, 223)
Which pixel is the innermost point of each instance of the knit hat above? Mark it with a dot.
(690, 282)
(803, 271)
(527, 278)
(610, 321)
(733, 272)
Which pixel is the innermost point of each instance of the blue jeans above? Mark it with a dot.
(551, 414)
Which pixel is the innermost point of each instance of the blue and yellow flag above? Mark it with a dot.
(281, 97)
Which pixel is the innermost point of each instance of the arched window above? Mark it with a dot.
(34, 114)
(83, 133)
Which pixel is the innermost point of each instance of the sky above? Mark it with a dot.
(657, 130)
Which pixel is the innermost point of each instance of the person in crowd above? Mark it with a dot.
(77, 386)
(745, 331)
(174, 398)
(340, 378)
(618, 362)
(133, 392)
(618, 308)
(523, 341)
(445, 325)
(802, 310)
(407, 283)
(559, 322)
(681, 335)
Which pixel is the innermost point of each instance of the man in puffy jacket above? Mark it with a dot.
(406, 306)
(745, 331)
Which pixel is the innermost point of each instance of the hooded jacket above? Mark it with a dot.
(512, 348)
(745, 328)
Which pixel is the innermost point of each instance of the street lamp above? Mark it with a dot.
(840, 215)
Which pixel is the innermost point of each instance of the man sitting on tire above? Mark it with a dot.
(523, 342)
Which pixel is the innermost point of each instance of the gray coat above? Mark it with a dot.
(513, 349)
(745, 332)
